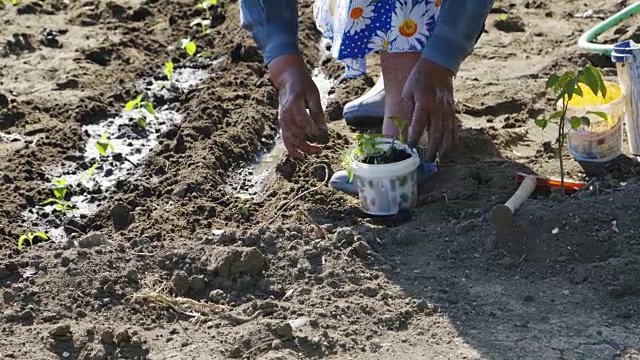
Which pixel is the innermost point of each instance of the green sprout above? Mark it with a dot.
(168, 70)
(29, 236)
(89, 173)
(13, 2)
(103, 145)
(138, 104)
(502, 17)
(368, 146)
(206, 4)
(203, 24)
(400, 124)
(565, 87)
(189, 46)
(244, 208)
(59, 192)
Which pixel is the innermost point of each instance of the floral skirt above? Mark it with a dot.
(359, 27)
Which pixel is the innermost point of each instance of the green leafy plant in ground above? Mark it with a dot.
(89, 173)
(206, 4)
(168, 70)
(29, 236)
(367, 146)
(565, 86)
(103, 145)
(189, 46)
(203, 24)
(59, 192)
(138, 104)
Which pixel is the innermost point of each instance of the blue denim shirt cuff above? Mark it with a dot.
(279, 43)
(444, 49)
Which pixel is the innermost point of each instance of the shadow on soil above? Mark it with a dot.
(546, 289)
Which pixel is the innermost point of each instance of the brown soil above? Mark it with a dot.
(436, 282)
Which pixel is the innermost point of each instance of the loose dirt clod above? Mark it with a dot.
(180, 282)
(233, 261)
(93, 240)
(121, 216)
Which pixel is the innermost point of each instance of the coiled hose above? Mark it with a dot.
(585, 40)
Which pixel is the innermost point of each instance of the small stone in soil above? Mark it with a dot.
(180, 282)
(197, 283)
(216, 296)
(284, 331)
(107, 337)
(26, 315)
(132, 275)
(60, 330)
(122, 336)
(94, 239)
(8, 297)
(121, 216)
(361, 249)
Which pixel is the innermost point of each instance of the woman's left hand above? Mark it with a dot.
(429, 92)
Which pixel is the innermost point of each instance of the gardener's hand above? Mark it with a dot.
(297, 93)
(429, 92)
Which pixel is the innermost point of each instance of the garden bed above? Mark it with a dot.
(179, 266)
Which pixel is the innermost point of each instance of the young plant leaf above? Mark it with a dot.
(592, 77)
(21, 240)
(541, 123)
(575, 122)
(189, 46)
(149, 107)
(49, 201)
(552, 81)
(602, 115)
(168, 70)
(585, 121)
(142, 122)
(133, 103)
(103, 145)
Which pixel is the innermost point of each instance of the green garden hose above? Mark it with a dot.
(585, 40)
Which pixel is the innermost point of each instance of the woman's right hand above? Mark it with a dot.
(297, 93)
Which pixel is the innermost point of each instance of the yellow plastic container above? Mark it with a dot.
(601, 141)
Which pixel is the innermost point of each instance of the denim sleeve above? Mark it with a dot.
(273, 25)
(459, 25)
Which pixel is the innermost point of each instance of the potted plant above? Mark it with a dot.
(385, 173)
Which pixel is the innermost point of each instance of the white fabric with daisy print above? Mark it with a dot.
(359, 27)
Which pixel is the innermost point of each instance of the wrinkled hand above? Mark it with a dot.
(297, 93)
(429, 92)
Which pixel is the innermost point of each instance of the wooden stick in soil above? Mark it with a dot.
(502, 215)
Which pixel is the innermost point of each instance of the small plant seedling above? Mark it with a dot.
(168, 70)
(401, 125)
(59, 192)
(189, 46)
(206, 4)
(367, 147)
(502, 17)
(30, 236)
(89, 173)
(138, 104)
(565, 87)
(103, 145)
(244, 208)
(203, 24)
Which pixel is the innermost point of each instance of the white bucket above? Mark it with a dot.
(387, 188)
(601, 141)
(626, 55)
